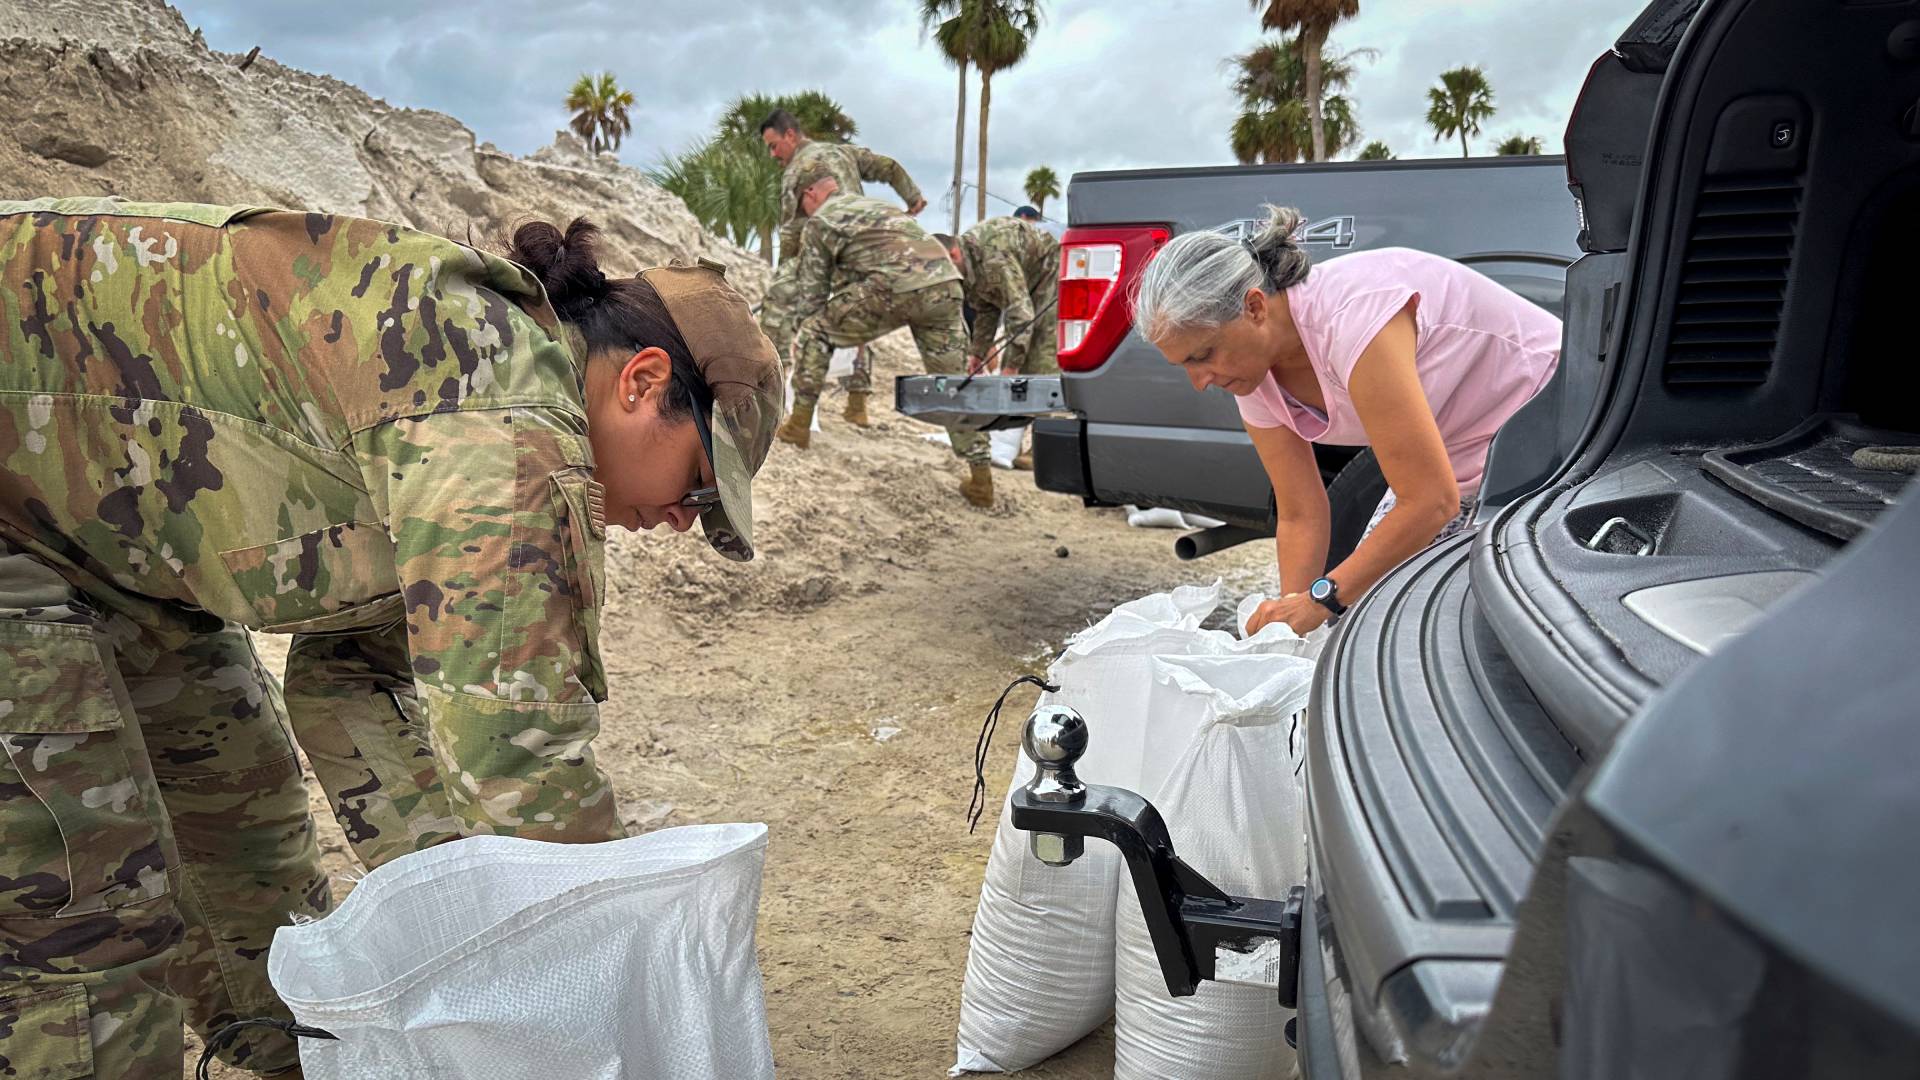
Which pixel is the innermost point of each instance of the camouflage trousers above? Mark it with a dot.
(153, 834)
(1038, 351)
(864, 312)
(778, 323)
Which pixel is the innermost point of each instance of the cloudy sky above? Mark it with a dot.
(1108, 83)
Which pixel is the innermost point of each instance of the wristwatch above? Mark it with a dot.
(1326, 593)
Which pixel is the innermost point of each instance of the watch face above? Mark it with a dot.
(1321, 589)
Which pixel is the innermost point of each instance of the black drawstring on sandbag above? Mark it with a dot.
(978, 804)
(225, 1036)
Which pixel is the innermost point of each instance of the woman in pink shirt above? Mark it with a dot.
(1414, 355)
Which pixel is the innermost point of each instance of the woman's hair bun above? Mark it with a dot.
(1278, 231)
(564, 262)
(1275, 247)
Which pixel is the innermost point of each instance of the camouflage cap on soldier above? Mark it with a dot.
(743, 380)
(810, 172)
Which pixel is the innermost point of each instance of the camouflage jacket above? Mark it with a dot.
(850, 165)
(306, 424)
(852, 239)
(1005, 261)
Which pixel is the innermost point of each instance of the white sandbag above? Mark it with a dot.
(1159, 517)
(840, 364)
(1004, 445)
(1155, 517)
(790, 396)
(497, 958)
(1221, 758)
(1040, 962)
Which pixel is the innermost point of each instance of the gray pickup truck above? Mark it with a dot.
(1133, 431)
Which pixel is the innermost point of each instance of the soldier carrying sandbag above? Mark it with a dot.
(849, 165)
(865, 269)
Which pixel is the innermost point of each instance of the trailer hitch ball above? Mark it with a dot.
(1055, 738)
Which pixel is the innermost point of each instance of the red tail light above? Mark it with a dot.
(1097, 268)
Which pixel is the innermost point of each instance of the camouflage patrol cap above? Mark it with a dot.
(739, 407)
(811, 172)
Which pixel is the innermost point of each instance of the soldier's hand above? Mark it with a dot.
(976, 364)
(917, 205)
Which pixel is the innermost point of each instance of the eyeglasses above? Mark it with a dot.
(701, 499)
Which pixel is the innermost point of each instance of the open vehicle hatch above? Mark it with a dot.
(978, 402)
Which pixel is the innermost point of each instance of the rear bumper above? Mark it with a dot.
(1200, 470)
(1060, 456)
(1317, 1039)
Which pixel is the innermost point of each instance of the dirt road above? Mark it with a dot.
(755, 694)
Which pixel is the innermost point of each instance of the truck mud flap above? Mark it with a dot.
(978, 402)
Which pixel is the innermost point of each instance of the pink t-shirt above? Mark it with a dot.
(1480, 350)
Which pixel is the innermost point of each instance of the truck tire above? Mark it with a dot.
(1352, 496)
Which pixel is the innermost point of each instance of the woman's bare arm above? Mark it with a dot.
(1392, 406)
(1300, 505)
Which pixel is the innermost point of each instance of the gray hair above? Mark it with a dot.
(1201, 279)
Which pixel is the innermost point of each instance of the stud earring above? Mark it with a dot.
(633, 397)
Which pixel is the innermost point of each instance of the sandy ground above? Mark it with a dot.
(754, 694)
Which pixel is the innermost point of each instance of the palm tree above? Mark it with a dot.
(728, 180)
(730, 185)
(1458, 105)
(993, 36)
(1376, 151)
(1518, 146)
(1042, 184)
(820, 116)
(706, 182)
(1274, 124)
(599, 109)
(1270, 135)
(1314, 19)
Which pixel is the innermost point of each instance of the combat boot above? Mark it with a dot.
(798, 429)
(978, 488)
(1024, 462)
(856, 413)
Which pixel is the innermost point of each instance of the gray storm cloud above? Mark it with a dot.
(1106, 85)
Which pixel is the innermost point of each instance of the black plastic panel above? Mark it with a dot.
(1536, 441)
(1649, 44)
(1060, 456)
(1606, 147)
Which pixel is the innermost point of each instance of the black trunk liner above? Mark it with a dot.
(1809, 475)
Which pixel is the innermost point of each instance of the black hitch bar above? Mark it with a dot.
(1198, 931)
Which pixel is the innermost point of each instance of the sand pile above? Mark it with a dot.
(122, 97)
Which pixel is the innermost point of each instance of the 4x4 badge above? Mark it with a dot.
(1338, 233)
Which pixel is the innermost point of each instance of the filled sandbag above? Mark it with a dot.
(1222, 754)
(1040, 965)
(497, 958)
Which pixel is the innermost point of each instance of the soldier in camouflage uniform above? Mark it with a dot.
(214, 419)
(849, 165)
(1011, 271)
(866, 269)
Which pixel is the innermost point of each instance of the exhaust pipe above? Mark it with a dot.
(1219, 538)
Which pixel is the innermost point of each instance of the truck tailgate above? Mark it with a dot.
(978, 402)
